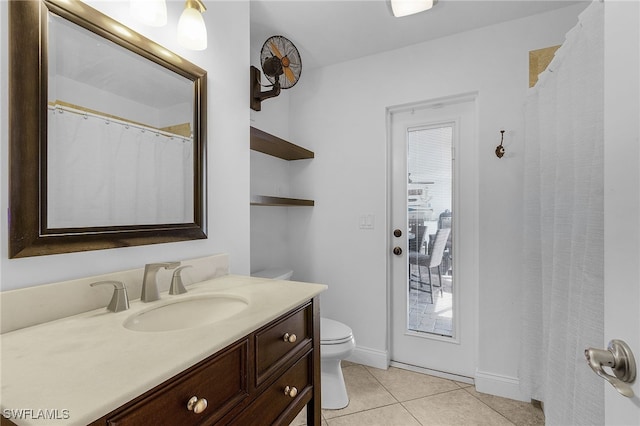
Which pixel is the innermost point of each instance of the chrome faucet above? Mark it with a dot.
(119, 301)
(149, 284)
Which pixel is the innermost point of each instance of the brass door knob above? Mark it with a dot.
(397, 251)
(197, 405)
(291, 338)
(291, 391)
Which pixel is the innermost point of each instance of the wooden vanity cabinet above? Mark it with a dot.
(265, 378)
(211, 379)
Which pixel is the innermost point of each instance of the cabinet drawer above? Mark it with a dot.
(273, 402)
(222, 381)
(273, 350)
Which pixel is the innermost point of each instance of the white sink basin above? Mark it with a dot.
(186, 313)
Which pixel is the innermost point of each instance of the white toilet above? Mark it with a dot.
(336, 344)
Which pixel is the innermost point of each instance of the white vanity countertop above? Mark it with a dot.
(82, 367)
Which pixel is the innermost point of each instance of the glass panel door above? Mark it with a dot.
(433, 203)
(430, 243)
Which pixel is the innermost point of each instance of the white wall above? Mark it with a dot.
(269, 230)
(227, 63)
(339, 112)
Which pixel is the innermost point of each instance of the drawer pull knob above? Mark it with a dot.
(197, 405)
(291, 338)
(291, 391)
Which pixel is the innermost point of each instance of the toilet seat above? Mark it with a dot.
(334, 332)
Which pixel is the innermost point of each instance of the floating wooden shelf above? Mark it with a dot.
(263, 200)
(274, 146)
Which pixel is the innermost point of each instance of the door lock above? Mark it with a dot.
(397, 233)
(397, 251)
(619, 358)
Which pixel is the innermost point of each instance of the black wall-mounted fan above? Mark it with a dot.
(281, 64)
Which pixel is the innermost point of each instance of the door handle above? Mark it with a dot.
(619, 358)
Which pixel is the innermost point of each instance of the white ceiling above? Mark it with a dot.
(328, 31)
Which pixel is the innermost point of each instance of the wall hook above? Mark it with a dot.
(500, 149)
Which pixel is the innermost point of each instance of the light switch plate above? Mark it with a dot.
(367, 221)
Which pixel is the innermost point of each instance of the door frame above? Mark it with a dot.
(471, 227)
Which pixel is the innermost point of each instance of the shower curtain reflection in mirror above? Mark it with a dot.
(105, 172)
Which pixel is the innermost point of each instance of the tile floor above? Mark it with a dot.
(397, 397)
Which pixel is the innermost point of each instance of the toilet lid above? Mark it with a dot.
(334, 332)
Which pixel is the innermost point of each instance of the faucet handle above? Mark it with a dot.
(177, 287)
(120, 299)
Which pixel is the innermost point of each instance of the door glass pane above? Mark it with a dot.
(429, 208)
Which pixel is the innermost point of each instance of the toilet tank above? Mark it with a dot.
(274, 273)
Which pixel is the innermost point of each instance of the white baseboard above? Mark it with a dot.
(436, 373)
(499, 385)
(485, 382)
(370, 357)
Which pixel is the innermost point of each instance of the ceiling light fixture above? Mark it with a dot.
(401, 8)
(149, 12)
(192, 32)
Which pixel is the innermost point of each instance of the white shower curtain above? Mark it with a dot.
(564, 230)
(104, 172)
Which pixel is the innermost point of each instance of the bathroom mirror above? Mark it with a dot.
(107, 134)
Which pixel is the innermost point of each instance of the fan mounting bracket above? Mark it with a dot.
(257, 95)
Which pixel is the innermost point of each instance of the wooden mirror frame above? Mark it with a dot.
(28, 93)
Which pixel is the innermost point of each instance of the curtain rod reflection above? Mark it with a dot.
(180, 131)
